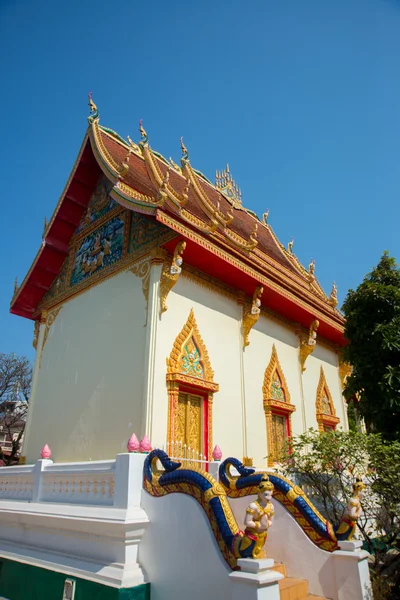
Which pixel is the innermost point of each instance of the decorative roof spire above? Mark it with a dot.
(94, 113)
(185, 153)
(145, 138)
(290, 246)
(224, 182)
(265, 217)
(333, 299)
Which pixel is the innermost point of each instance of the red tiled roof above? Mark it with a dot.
(139, 179)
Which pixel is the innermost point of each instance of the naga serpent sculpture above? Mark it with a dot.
(318, 529)
(210, 494)
(213, 498)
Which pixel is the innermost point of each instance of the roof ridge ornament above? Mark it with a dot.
(264, 217)
(185, 153)
(94, 113)
(145, 138)
(226, 184)
(333, 299)
(290, 246)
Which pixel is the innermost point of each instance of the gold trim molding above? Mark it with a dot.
(170, 274)
(307, 345)
(175, 379)
(323, 419)
(251, 315)
(273, 406)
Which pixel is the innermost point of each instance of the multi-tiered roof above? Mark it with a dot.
(225, 240)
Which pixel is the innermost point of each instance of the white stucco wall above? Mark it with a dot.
(218, 320)
(328, 360)
(92, 390)
(257, 356)
(239, 425)
(178, 552)
(88, 398)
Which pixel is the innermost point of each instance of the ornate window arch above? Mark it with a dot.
(277, 407)
(191, 386)
(326, 413)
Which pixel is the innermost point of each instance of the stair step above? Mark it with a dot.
(281, 568)
(310, 597)
(293, 589)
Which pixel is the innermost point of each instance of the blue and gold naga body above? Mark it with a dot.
(213, 497)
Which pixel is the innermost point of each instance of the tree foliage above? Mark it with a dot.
(15, 386)
(372, 327)
(326, 466)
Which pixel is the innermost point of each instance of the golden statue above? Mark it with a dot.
(170, 274)
(259, 517)
(251, 317)
(333, 299)
(348, 522)
(311, 267)
(307, 345)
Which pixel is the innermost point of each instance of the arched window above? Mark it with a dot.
(277, 408)
(326, 414)
(190, 381)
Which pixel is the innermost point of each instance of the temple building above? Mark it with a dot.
(162, 306)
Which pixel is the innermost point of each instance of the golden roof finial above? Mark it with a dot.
(94, 113)
(265, 217)
(311, 267)
(145, 139)
(225, 183)
(185, 153)
(333, 299)
(132, 143)
(125, 164)
(290, 246)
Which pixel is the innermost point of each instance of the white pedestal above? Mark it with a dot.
(352, 573)
(256, 580)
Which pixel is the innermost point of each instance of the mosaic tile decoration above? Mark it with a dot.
(99, 204)
(101, 248)
(146, 233)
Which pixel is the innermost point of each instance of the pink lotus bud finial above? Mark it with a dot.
(217, 453)
(45, 452)
(145, 445)
(133, 444)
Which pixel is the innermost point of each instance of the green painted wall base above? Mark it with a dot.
(19, 581)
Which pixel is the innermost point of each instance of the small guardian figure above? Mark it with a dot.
(259, 517)
(348, 523)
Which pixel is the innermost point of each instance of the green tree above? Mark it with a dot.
(372, 327)
(326, 465)
(15, 385)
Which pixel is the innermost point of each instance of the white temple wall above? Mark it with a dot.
(328, 360)
(218, 320)
(239, 425)
(89, 387)
(257, 355)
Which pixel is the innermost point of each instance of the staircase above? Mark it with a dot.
(293, 589)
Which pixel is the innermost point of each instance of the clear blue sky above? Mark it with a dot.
(302, 98)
